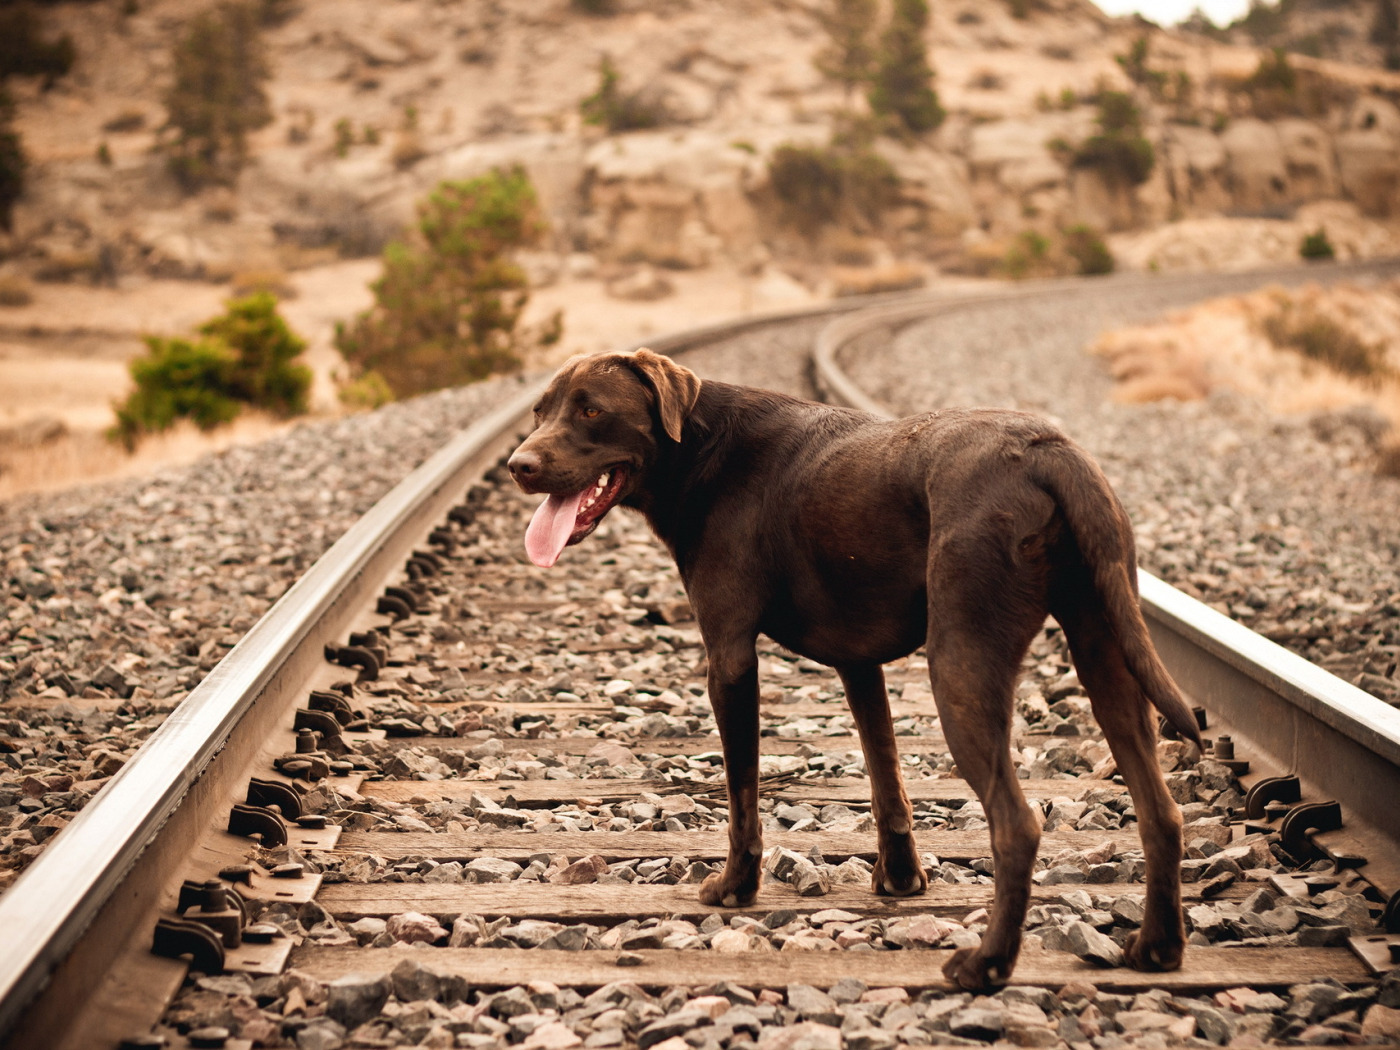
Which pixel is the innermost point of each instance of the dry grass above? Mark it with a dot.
(85, 456)
(1301, 351)
(867, 280)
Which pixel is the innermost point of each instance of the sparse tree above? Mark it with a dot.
(1119, 151)
(849, 55)
(217, 94)
(903, 82)
(12, 160)
(23, 52)
(448, 305)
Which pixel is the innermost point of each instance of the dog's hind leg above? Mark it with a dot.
(1128, 725)
(898, 872)
(733, 684)
(981, 621)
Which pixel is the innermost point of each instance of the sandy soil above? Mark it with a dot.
(63, 357)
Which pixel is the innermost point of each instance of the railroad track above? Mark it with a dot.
(428, 740)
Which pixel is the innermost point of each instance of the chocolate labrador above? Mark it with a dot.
(852, 541)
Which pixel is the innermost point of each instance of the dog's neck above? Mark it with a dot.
(732, 432)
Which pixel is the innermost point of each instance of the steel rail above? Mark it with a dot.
(53, 905)
(104, 861)
(1341, 741)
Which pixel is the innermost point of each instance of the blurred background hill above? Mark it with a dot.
(691, 158)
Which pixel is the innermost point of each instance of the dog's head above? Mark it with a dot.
(598, 428)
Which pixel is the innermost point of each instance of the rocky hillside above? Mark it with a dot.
(374, 102)
(1360, 32)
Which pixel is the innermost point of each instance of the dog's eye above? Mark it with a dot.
(590, 413)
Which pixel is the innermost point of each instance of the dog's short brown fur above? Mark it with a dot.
(853, 541)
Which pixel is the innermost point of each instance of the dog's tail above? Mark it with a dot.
(1104, 537)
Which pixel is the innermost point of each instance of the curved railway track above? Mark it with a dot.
(391, 623)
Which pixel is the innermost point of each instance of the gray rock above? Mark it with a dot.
(678, 1023)
(978, 1021)
(813, 1004)
(354, 999)
(1091, 945)
(413, 981)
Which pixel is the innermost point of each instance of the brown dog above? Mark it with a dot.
(853, 541)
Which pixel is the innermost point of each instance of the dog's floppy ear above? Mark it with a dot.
(676, 388)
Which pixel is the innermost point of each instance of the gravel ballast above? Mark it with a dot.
(118, 599)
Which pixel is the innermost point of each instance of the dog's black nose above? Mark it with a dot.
(523, 465)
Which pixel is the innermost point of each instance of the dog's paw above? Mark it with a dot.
(888, 883)
(971, 971)
(1153, 956)
(717, 892)
(898, 872)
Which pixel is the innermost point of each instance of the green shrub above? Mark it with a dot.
(849, 55)
(449, 301)
(1119, 151)
(1276, 89)
(177, 379)
(368, 391)
(845, 184)
(246, 356)
(1088, 251)
(1028, 255)
(596, 8)
(616, 110)
(902, 88)
(217, 95)
(1315, 245)
(266, 374)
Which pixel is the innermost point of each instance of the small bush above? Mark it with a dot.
(596, 8)
(246, 356)
(849, 185)
(612, 108)
(1028, 256)
(344, 137)
(448, 305)
(1315, 245)
(1119, 151)
(217, 95)
(267, 374)
(1088, 251)
(176, 379)
(902, 88)
(849, 55)
(368, 391)
(1276, 89)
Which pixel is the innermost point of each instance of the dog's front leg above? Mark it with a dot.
(733, 682)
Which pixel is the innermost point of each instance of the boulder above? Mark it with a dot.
(1308, 155)
(1368, 158)
(1258, 170)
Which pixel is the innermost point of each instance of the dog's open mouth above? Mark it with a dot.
(566, 518)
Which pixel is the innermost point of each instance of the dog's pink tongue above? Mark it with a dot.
(551, 528)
